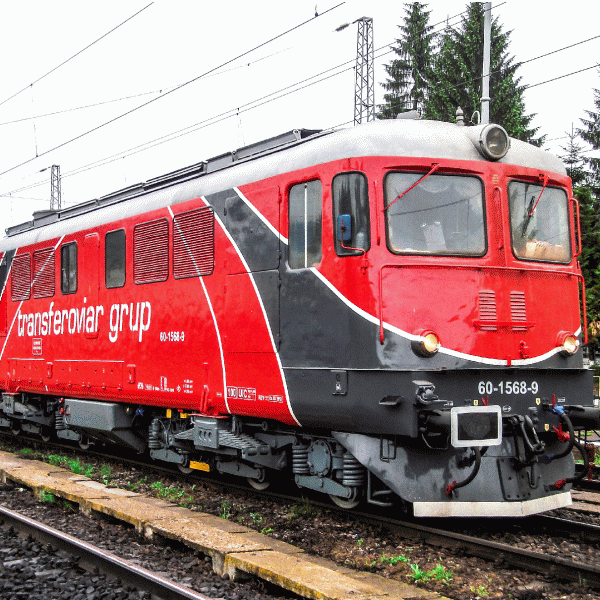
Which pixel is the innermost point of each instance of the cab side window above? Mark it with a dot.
(114, 259)
(351, 214)
(305, 219)
(68, 268)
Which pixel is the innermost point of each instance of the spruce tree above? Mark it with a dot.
(589, 206)
(458, 71)
(409, 73)
(574, 161)
(591, 134)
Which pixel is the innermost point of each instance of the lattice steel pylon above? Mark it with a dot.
(364, 86)
(55, 201)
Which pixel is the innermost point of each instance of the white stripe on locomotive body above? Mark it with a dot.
(253, 208)
(442, 350)
(214, 318)
(264, 312)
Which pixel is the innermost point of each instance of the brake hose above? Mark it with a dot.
(455, 485)
(565, 419)
(576, 478)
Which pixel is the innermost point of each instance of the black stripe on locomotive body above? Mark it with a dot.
(322, 339)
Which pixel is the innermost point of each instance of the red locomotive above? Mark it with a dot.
(385, 311)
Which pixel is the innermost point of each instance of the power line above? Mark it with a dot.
(95, 104)
(74, 55)
(278, 94)
(173, 90)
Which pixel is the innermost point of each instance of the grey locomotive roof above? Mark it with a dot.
(294, 150)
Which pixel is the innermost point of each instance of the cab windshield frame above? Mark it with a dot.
(443, 215)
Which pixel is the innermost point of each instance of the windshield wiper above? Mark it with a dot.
(433, 169)
(531, 208)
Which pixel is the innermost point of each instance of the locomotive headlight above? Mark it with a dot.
(475, 426)
(568, 343)
(427, 346)
(494, 142)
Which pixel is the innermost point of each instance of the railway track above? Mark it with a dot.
(450, 537)
(90, 558)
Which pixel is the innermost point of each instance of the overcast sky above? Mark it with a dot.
(170, 43)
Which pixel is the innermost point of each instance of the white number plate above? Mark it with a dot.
(487, 388)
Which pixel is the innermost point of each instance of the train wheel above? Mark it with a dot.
(15, 427)
(46, 434)
(258, 485)
(185, 469)
(344, 502)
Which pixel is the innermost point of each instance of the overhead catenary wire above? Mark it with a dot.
(124, 98)
(243, 108)
(133, 96)
(222, 116)
(227, 62)
(74, 55)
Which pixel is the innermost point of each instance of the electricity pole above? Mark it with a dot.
(485, 82)
(364, 86)
(55, 202)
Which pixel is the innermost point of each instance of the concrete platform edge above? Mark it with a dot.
(235, 553)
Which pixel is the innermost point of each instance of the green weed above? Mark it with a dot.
(306, 509)
(256, 518)
(225, 511)
(46, 496)
(393, 560)
(480, 591)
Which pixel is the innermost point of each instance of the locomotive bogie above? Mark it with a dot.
(387, 311)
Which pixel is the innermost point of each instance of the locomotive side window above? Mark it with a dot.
(351, 197)
(44, 269)
(21, 278)
(151, 251)
(68, 268)
(305, 218)
(442, 214)
(539, 222)
(194, 243)
(114, 258)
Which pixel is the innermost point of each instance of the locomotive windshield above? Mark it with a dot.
(539, 221)
(443, 214)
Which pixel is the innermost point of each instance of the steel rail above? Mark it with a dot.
(526, 560)
(91, 557)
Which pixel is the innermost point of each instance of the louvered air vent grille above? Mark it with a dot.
(194, 243)
(44, 273)
(487, 310)
(151, 251)
(517, 309)
(21, 277)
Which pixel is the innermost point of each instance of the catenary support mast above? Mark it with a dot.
(364, 87)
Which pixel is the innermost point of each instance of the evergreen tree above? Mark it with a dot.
(574, 161)
(589, 205)
(458, 72)
(591, 134)
(590, 259)
(409, 73)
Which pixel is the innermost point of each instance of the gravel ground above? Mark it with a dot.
(339, 537)
(30, 570)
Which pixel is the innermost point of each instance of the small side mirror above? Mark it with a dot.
(344, 228)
